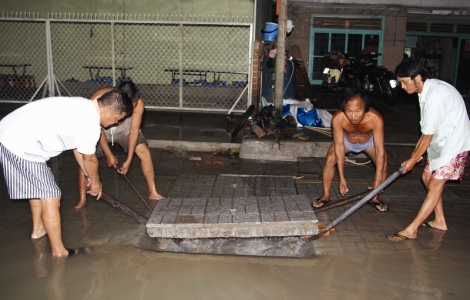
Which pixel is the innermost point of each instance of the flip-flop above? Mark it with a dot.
(75, 252)
(426, 224)
(320, 201)
(376, 205)
(398, 237)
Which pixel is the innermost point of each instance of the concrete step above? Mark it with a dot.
(242, 217)
(282, 151)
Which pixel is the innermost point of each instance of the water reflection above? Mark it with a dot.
(424, 269)
(55, 287)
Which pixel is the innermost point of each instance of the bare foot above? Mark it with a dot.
(80, 204)
(155, 196)
(41, 232)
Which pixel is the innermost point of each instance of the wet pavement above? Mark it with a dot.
(355, 262)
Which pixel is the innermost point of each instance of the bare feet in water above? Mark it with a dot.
(81, 203)
(155, 196)
(41, 232)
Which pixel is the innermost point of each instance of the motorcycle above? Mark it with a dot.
(361, 72)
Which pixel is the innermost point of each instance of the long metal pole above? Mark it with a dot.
(113, 55)
(134, 188)
(342, 202)
(50, 68)
(358, 205)
(123, 208)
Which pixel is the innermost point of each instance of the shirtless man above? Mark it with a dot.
(128, 135)
(356, 128)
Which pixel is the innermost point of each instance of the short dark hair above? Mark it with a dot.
(130, 89)
(117, 101)
(353, 94)
(411, 68)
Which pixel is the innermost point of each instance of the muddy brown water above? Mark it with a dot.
(356, 262)
(123, 272)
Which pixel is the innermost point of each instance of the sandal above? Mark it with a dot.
(320, 202)
(398, 237)
(75, 252)
(378, 205)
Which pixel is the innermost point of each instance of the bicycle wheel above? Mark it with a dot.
(243, 119)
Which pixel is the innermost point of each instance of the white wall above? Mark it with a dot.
(179, 7)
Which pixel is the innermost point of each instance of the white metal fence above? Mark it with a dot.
(181, 63)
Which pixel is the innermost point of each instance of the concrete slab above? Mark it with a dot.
(193, 145)
(243, 217)
(283, 151)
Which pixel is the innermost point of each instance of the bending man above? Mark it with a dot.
(37, 131)
(130, 138)
(445, 129)
(356, 128)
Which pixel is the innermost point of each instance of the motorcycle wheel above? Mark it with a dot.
(390, 97)
(243, 119)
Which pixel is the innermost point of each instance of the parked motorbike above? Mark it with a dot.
(361, 72)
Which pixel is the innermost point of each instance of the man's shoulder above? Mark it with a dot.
(139, 109)
(374, 114)
(338, 116)
(100, 92)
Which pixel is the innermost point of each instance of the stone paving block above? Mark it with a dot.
(286, 192)
(284, 183)
(244, 217)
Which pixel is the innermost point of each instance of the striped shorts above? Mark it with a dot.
(27, 179)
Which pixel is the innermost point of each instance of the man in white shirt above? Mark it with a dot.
(445, 129)
(37, 131)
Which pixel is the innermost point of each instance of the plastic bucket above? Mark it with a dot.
(269, 31)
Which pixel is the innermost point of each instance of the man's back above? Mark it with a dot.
(47, 127)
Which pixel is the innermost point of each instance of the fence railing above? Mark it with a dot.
(178, 62)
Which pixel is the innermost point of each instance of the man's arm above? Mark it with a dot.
(89, 165)
(111, 159)
(417, 155)
(133, 134)
(379, 145)
(338, 140)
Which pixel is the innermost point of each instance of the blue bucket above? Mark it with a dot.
(269, 31)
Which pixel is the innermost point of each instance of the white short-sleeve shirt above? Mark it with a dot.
(445, 117)
(45, 128)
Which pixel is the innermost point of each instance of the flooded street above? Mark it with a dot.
(123, 272)
(355, 262)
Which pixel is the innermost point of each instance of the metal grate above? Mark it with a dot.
(416, 26)
(348, 23)
(437, 27)
(463, 28)
(22, 54)
(440, 27)
(176, 64)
